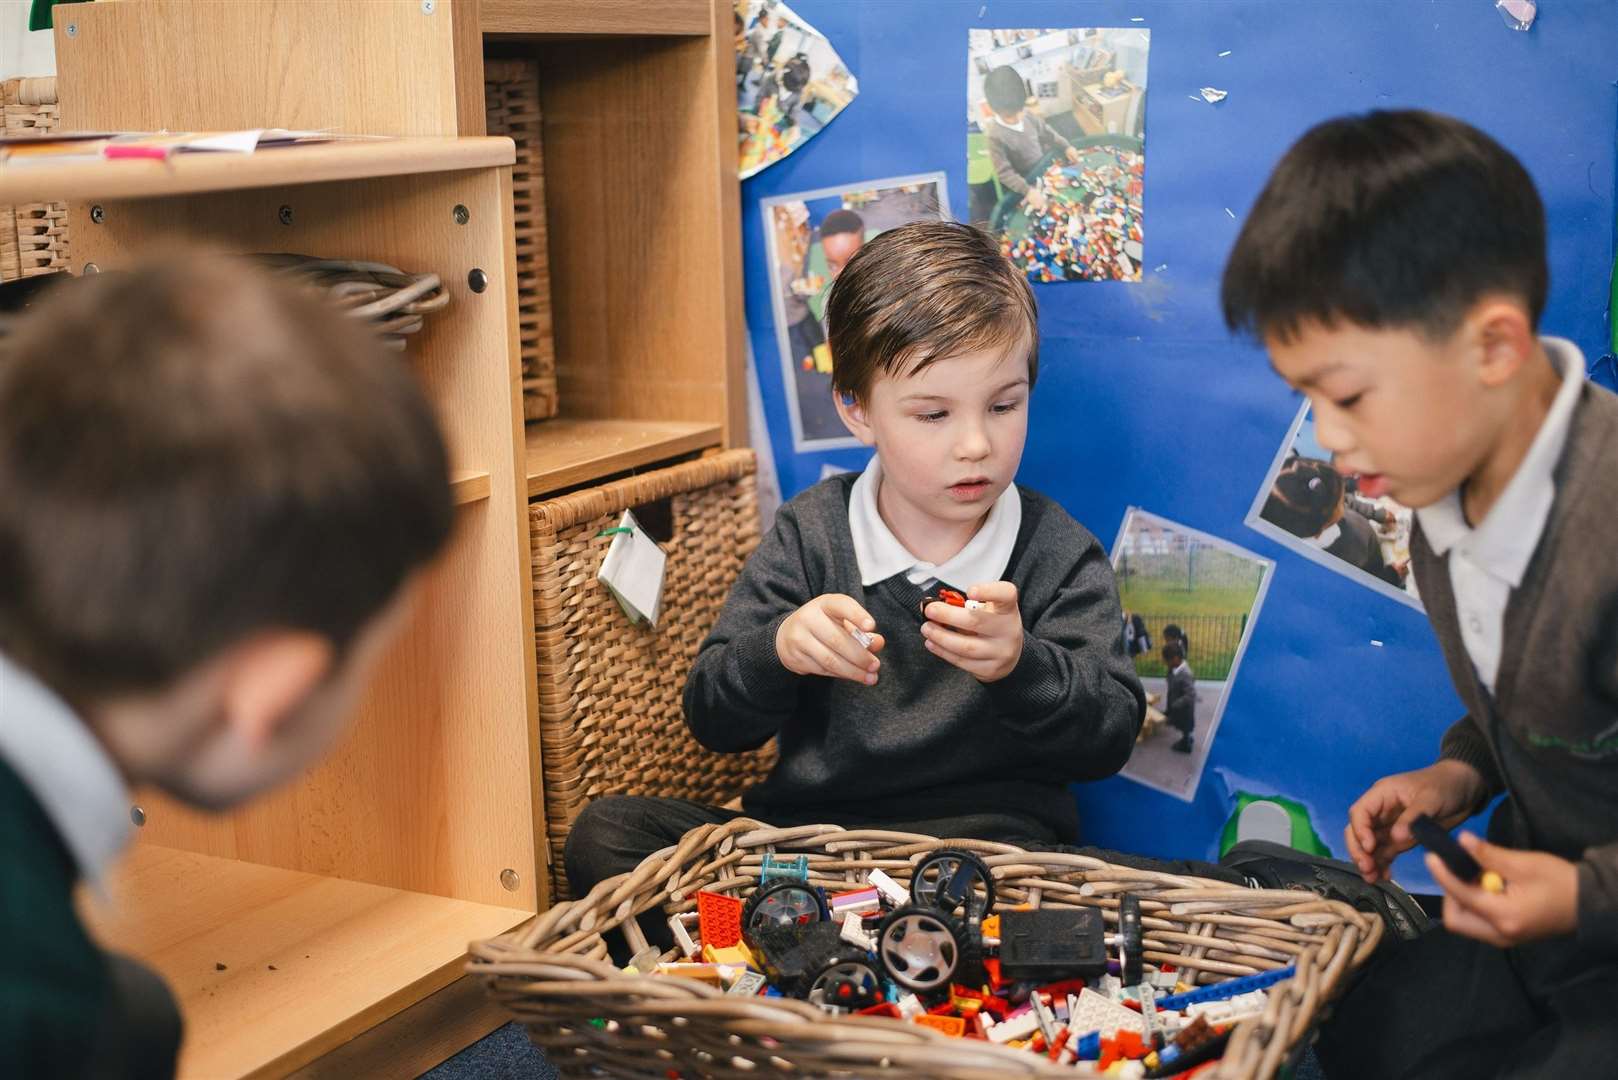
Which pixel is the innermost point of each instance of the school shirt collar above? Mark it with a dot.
(881, 555)
(1505, 541)
(1332, 534)
(65, 768)
(1178, 668)
(1017, 127)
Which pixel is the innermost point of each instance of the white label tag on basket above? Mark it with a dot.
(633, 571)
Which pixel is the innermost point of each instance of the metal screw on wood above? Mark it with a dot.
(137, 815)
(97, 214)
(462, 214)
(477, 280)
(510, 880)
(91, 268)
(72, 29)
(285, 215)
(426, 7)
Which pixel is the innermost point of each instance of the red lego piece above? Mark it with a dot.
(1109, 1054)
(1059, 991)
(1129, 1044)
(991, 967)
(946, 1008)
(887, 1008)
(720, 919)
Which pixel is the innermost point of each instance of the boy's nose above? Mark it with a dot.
(973, 445)
(1332, 435)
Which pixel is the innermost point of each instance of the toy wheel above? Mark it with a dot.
(1131, 941)
(924, 949)
(783, 903)
(948, 879)
(846, 984)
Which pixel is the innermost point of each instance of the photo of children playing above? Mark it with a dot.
(811, 236)
(1189, 602)
(1055, 148)
(790, 82)
(1333, 519)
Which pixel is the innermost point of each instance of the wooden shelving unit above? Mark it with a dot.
(363, 882)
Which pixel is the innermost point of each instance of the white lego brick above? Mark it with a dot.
(682, 937)
(1230, 1010)
(855, 934)
(1019, 1025)
(910, 1006)
(893, 892)
(1095, 1012)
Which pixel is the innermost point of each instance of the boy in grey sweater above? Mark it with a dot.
(1419, 352)
(953, 721)
(1018, 139)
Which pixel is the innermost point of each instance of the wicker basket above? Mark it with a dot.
(511, 98)
(33, 236)
(610, 713)
(554, 976)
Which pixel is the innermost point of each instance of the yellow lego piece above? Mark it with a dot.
(738, 954)
(822, 356)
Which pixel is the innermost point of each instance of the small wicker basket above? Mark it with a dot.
(610, 715)
(511, 105)
(33, 236)
(555, 977)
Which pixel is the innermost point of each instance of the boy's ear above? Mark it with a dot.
(852, 411)
(268, 676)
(1504, 336)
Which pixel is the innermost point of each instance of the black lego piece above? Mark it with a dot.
(1052, 944)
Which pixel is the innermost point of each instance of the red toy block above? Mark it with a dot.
(1109, 1054)
(720, 919)
(1130, 1044)
(887, 1008)
(991, 967)
(1060, 990)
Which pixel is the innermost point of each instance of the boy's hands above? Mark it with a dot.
(815, 640)
(1541, 898)
(986, 643)
(1035, 200)
(1379, 821)
(1073, 156)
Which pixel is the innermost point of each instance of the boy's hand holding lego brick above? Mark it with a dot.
(1540, 898)
(986, 643)
(817, 639)
(1378, 828)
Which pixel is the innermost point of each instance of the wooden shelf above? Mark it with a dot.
(272, 967)
(194, 173)
(468, 487)
(563, 453)
(603, 17)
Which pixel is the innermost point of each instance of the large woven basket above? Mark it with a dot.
(610, 715)
(554, 976)
(511, 101)
(33, 236)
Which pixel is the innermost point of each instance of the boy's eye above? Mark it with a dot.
(1006, 406)
(931, 417)
(1350, 401)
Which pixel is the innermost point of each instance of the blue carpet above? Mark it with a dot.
(504, 1054)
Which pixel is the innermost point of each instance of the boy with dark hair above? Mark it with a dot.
(217, 492)
(1018, 138)
(951, 721)
(841, 235)
(1181, 708)
(1394, 266)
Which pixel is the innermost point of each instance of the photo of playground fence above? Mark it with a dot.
(1174, 579)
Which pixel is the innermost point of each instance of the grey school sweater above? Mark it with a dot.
(1548, 736)
(928, 740)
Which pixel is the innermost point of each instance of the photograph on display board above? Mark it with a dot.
(1189, 604)
(1346, 523)
(1056, 148)
(790, 82)
(810, 236)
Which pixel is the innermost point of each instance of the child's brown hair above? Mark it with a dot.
(192, 452)
(920, 293)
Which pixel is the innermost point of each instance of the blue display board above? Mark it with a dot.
(1144, 400)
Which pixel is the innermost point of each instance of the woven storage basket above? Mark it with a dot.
(555, 976)
(610, 715)
(33, 236)
(511, 98)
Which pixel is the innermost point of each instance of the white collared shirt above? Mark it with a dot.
(1017, 127)
(1489, 561)
(881, 555)
(65, 768)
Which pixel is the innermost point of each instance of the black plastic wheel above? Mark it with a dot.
(783, 903)
(924, 949)
(951, 880)
(1131, 939)
(847, 984)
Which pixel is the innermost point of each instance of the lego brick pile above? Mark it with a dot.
(1090, 229)
(1052, 981)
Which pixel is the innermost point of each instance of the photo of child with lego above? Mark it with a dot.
(810, 236)
(790, 82)
(1189, 601)
(1055, 148)
(1345, 523)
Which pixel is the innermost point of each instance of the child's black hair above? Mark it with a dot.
(1173, 632)
(1389, 220)
(1305, 496)
(795, 76)
(842, 221)
(1005, 90)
